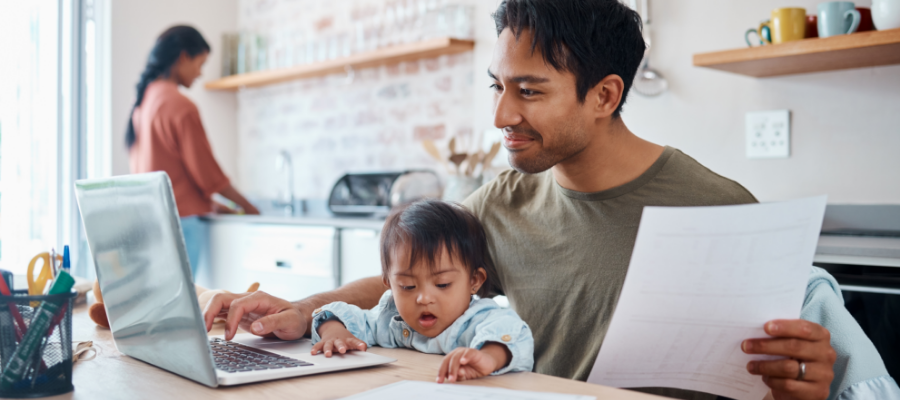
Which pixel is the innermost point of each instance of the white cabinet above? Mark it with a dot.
(289, 261)
(360, 254)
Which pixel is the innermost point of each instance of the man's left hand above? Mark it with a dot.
(800, 341)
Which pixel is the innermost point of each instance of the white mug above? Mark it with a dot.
(886, 14)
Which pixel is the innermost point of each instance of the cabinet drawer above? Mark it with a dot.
(307, 251)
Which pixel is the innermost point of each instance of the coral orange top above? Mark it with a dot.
(170, 138)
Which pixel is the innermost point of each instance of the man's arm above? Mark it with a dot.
(265, 315)
(363, 293)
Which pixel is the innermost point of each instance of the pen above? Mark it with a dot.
(65, 265)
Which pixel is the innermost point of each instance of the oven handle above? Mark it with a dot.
(869, 289)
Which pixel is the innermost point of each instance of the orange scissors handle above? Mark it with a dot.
(36, 284)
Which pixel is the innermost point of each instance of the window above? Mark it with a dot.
(53, 125)
(28, 131)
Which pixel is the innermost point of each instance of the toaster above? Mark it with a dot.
(379, 192)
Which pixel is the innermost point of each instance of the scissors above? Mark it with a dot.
(37, 284)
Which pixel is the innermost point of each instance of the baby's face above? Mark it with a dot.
(431, 300)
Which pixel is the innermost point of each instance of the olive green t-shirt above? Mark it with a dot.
(561, 255)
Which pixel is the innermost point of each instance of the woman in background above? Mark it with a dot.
(165, 134)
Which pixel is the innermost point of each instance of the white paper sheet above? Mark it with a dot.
(701, 280)
(434, 391)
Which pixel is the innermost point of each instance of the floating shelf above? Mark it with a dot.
(386, 56)
(857, 50)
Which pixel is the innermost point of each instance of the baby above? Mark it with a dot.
(434, 258)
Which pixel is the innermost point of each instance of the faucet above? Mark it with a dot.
(284, 161)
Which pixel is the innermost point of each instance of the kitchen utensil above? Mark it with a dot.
(489, 158)
(457, 159)
(837, 18)
(473, 161)
(648, 81)
(886, 14)
(431, 149)
(865, 20)
(787, 24)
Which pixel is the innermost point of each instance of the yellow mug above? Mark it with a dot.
(787, 24)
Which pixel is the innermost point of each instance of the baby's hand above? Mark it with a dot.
(466, 363)
(336, 336)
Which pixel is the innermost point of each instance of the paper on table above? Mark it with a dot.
(434, 391)
(700, 281)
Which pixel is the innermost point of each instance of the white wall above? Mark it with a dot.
(331, 126)
(135, 26)
(845, 124)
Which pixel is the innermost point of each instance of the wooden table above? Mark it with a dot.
(113, 375)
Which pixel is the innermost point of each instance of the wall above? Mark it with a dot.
(845, 124)
(135, 26)
(333, 125)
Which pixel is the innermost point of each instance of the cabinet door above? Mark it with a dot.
(360, 254)
(291, 262)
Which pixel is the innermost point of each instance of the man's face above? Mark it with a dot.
(536, 106)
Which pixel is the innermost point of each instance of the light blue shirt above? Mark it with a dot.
(484, 321)
(859, 372)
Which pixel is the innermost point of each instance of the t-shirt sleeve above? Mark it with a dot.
(475, 203)
(197, 155)
(504, 327)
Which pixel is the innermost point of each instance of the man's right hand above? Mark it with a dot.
(258, 313)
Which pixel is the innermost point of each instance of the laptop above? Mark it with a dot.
(134, 234)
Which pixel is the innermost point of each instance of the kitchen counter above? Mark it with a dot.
(311, 220)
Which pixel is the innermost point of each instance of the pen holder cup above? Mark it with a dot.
(38, 363)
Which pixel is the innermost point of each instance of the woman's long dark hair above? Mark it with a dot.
(165, 53)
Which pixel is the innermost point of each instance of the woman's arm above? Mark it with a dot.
(232, 194)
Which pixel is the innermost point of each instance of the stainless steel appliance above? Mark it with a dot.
(377, 193)
(860, 247)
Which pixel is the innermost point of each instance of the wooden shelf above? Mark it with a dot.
(858, 50)
(386, 56)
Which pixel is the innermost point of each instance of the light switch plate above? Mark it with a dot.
(769, 134)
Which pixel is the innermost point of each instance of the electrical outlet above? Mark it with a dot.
(769, 134)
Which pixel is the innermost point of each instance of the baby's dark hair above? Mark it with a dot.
(426, 227)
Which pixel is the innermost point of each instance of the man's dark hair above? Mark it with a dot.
(592, 39)
(424, 228)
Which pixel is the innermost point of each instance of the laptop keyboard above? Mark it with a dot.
(235, 357)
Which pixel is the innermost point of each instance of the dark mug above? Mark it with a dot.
(865, 20)
(812, 26)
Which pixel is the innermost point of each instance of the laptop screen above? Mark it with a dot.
(134, 234)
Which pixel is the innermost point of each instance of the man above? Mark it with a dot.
(562, 225)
